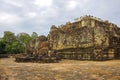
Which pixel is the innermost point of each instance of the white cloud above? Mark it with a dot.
(32, 14)
(72, 4)
(43, 17)
(13, 2)
(50, 12)
(9, 19)
(43, 3)
(85, 1)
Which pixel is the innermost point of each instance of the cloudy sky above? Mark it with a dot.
(38, 15)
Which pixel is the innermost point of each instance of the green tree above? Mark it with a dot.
(34, 35)
(14, 44)
(2, 46)
(9, 38)
(23, 39)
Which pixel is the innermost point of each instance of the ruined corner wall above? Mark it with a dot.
(82, 34)
(72, 38)
(37, 46)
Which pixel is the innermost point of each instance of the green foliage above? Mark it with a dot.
(2, 46)
(15, 44)
(9, 37)
(23, 39)
(34, 35)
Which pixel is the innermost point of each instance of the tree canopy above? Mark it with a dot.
(11, 43)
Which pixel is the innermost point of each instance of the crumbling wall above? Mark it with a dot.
(87, 38)
(37, 46)
(72, 38)
(79, 37)
(101, 38)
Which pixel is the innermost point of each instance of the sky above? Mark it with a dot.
(39, 15)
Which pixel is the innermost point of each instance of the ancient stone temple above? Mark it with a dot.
(86, 38)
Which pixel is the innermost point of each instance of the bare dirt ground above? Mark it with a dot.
(64, 70)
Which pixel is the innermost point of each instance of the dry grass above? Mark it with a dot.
(64, 70)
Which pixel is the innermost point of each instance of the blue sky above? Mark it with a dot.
(38, 15)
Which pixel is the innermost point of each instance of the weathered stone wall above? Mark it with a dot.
(37, 46)
(78, 36)
(101, 37)
(72, 38)
(89, 36)
(86, 38)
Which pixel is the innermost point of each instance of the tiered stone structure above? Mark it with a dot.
(86, 38)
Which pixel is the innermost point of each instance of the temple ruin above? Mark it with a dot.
(87, 38)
